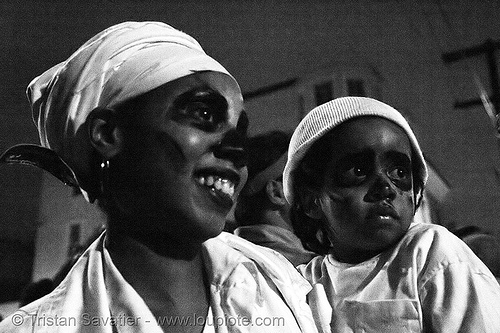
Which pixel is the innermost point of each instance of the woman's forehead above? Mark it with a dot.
(219, 82)
(201, 85)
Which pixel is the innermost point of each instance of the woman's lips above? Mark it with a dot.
(220, 183)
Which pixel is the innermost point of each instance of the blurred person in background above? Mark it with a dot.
(483, 244)
(262, 213)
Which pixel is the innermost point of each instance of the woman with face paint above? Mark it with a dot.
(355, 175)
(142, 121)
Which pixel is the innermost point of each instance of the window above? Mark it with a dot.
(336, 80)
(355, 87)
(323, 92)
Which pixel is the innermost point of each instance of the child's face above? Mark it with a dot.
(367, 197)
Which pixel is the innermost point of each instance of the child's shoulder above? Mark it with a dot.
(428, 231)
(432, 238)
(431, 244)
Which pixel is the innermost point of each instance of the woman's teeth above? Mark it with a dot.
(218, 183)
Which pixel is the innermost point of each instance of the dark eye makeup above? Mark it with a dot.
(354, 169)
(203, 108)
(399, 170)
(243, 122)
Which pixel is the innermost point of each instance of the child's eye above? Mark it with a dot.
(401, 177)
(399, 173)
(352, 176)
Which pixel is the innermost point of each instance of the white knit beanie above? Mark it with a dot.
(327, 116)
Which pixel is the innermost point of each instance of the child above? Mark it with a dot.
(355, 176)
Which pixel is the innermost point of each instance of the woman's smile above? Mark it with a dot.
(183, 156)
(221, 185)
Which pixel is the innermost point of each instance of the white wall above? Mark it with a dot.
(8, 308)
(59, 209)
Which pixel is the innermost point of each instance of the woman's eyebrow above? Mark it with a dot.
(203, 93)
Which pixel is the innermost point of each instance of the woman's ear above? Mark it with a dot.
(104, 132)
(311, 205)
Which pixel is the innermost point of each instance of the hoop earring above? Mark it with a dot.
(104, 176)
(316, 202)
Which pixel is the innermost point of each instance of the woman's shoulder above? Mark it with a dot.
(26, 318)
(227, 251)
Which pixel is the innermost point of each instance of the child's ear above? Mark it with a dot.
(104, 132)
(311, 205)
(274, 192)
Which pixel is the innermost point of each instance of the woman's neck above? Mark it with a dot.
(170, 285)
(176, 244)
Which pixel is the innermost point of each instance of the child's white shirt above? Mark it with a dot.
(429, 282)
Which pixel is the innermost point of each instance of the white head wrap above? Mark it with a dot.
(120, 63)
(327, 116)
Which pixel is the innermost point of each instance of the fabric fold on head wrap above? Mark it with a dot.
(118, 64)
(325, 117)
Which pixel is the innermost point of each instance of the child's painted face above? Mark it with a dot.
(367, 197)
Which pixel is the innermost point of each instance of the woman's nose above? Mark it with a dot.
(381, 189)
(232, 148)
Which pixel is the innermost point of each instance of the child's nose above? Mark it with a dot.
(381, 189)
